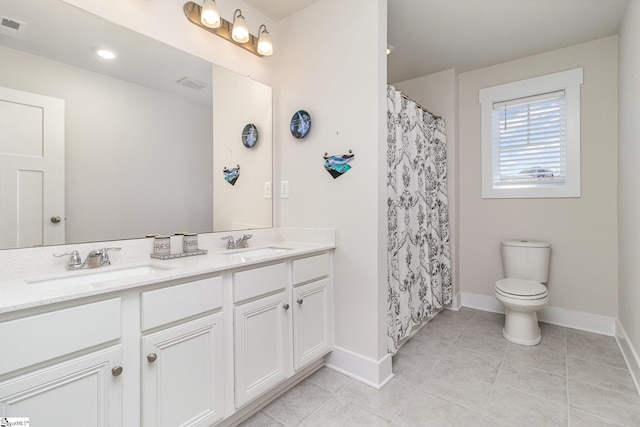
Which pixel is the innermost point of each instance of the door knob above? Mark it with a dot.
(116, 371)
(152, 357)
(55, 219)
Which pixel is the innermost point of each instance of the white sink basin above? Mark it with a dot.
(87, 277)
(248, 254)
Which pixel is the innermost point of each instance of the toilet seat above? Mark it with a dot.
(521, 289)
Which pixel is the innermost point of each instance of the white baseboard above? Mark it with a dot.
(557, 316)
(368, 371)
(456, 302)
(629, 352)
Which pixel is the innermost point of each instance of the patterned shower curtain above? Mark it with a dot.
(418, 258)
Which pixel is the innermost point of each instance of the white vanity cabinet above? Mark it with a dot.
(52, 373)
(194, 348)
(312, 309)
(261, 330)
(282, 322)
(183, 364)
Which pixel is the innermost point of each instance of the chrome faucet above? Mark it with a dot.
(237, 244)
(95, 258)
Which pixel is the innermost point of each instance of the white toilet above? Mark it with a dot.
(526, 267)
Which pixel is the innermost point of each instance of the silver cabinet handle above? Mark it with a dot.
(152, 357)
(116, 371)
(56, 219)
(300, 301)
(286, 307)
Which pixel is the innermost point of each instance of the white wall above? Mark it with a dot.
(132, 154)
(333, 65)
(438, 93)
(582, 231)
(238, 101)
(629, 174)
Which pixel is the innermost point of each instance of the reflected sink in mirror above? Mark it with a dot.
(249, 254)
(96, 276)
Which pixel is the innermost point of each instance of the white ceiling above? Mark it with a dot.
(436, 35)
(278, 9)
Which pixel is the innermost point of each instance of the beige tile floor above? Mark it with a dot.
(458, 370)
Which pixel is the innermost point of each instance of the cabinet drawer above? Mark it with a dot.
(166, 305)
(42, 337)
(259, 281)
(311, 268)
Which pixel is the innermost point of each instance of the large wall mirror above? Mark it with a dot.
(93, 149)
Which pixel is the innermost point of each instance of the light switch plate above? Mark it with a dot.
(267, 190)
(284, 189)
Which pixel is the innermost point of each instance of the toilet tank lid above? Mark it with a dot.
(525, 243)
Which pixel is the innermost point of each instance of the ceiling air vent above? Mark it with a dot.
(11, 27)
(191, 83)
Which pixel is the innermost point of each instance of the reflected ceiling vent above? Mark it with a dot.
(11, 27)
(191, 83)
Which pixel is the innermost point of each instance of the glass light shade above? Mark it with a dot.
(210, 17)
(240, 32)
(265, 47)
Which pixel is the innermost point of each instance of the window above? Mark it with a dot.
(531, 137)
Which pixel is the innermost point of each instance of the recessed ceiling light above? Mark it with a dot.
(106, 53)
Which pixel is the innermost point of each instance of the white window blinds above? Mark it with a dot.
(529, 137)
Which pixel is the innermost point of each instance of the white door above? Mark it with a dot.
(31, 169)
(262, 346)
(183, 375)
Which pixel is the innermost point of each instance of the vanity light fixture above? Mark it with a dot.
(240, 31)
(210, 17)
(236, 32)
(265, 47)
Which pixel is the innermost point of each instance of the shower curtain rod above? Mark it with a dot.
(419, 106)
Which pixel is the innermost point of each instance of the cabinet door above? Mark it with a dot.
(312, 326)
(261, 346)
(84, 391)
(183, 374)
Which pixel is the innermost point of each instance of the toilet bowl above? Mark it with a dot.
(522, 292)
(522, 300)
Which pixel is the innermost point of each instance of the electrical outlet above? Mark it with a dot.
(284, 189)
(267, 190)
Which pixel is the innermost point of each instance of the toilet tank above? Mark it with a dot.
(526, 259)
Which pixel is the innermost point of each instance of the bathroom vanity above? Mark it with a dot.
(193, 341)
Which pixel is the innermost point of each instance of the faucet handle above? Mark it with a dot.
(75, 262)
(105, 255)
(231, 244)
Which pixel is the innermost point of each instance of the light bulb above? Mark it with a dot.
(210, 17)
(265, 47)
(240, 32)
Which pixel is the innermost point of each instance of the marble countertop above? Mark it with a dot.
(17, 294)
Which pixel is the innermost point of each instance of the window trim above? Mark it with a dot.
(570, 82)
